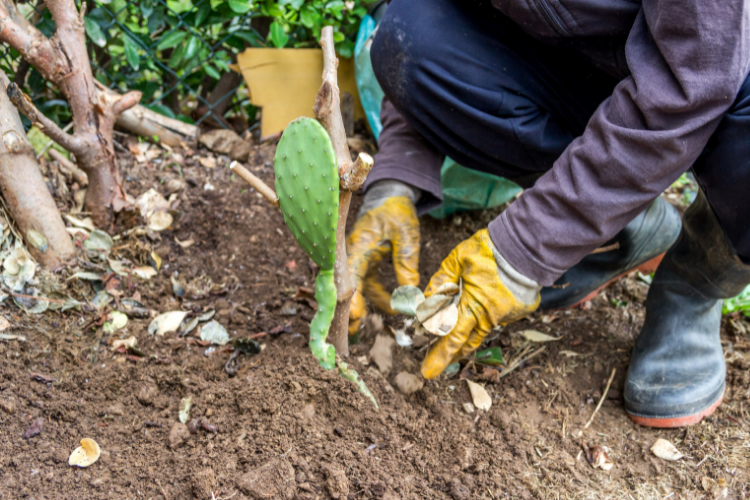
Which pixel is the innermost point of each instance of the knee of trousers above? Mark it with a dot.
(401, 44)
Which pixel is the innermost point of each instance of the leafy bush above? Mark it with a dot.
(738, 303)
(174, 51)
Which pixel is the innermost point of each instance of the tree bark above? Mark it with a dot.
(64, 60)
(25, 192)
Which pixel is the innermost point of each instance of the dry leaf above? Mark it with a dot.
(144, 272)
(208, 162)
(431, 306)
(160, 220)
(86, 454)
(479, 395)
(408, 383)
(443, 322)
(166, 322)
(85, 223)
(447, 289)
(406, 299)
(598, 458)
(402, 339)
(185, 244)
(128, 342)
(666, 450)
(4, 323)
(535, 336)
(569, 354)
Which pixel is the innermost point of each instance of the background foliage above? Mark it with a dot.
(175, 51)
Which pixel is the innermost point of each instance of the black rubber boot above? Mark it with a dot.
(677, 371)
(642, 245)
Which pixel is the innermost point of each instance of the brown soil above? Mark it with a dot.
(289, 429)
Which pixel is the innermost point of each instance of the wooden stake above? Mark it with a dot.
(255, 182)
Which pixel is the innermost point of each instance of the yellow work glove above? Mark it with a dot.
(493, 294)
(388, 226)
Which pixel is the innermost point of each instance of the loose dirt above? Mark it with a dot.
(286, 429)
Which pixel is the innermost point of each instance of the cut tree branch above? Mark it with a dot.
(355, 178)
(50, 128)
(255, 182)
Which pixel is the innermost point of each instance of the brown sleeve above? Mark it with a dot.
(404, 155)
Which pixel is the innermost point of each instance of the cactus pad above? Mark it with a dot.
(307, 183)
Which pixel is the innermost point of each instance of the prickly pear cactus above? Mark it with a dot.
(307, 183)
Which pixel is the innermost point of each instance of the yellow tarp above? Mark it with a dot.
(283, 82)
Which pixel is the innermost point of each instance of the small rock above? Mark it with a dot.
(289, 308)
(225, 141)
(336, 483)
(8, 406)
(468, 408)
(408, 383)
(458, 490)
(203, 484)
(147, 394)
(272, 480)
(178, 435)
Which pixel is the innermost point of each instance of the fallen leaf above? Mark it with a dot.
(381, 353)
(215, 333)
(489, 375)
(443, 322)
(86, 454)
(431, 306)
(666, 450)
(145, 272)
(34, 429)
(45, 379)
(569, 354)
(185, 404)
(118, 267)
(85, 223)
(402, 339)
(492, 356)
(4, 323)
(128, 342)
(166, 322)
(160, 220)
(535, 336)
(598, 458)
(469, 408)
(479, 395)
(117, 320)
(185, 244)
(406, 299)
(177, 287)
(87, 275)
(98, 241)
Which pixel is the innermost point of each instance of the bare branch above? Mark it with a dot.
(50, 128)
(354, 179)
(126, 102)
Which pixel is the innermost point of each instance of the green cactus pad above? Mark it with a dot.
(307, 183)
(325, 294)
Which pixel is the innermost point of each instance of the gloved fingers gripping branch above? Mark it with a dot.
(493, 293)
(387, 224)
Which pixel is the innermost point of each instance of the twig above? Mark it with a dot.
(608, 248)
(70, 168)
(517, 363)
(47, 126)
(45, 299)
(604, 396)
(50, 143)
(255, 182)
(353, 180)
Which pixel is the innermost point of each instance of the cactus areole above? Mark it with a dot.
(307, 184)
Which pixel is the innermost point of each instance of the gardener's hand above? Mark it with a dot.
(387, 223)
(493, 294)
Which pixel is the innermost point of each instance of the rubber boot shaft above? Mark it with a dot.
(677, 370)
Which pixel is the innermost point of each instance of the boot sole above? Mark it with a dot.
(647, 267)
(672, 423)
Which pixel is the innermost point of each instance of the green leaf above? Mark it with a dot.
(162, 110)
(278, 35)
(203, 11)
(338, 36)
(94, 32)
(492, 356)
(215, 4)
(309, 16)
(171, 40)
(239, 6)
(211, 71)
(192, 48)
(295, 4)
(131, 53)
(179, 6)
(250, 37)
(405, 299)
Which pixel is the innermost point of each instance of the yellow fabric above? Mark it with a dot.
(392, 227)
(485, 302)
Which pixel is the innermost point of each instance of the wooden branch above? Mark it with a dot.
(327, 110)
(70, 168)
(255, 182)
(126, 102)
(354, 179)
(50, 128)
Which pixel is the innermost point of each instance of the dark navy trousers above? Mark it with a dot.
(494, 99)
